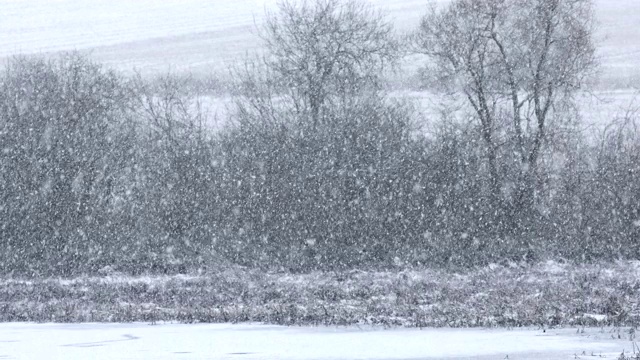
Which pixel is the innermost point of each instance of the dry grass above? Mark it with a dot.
(549, 294)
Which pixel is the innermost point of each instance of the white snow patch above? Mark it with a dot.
(553, 267)
(596, 317)
(251, 341)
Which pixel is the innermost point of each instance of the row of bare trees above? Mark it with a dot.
(318, 167)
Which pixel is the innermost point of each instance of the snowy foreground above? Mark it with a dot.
(225, 341)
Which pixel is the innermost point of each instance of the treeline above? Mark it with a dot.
(317, 167)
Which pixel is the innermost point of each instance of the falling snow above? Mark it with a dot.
(255, 142)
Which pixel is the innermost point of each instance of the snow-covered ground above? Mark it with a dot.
(225, 341)
(204, 35)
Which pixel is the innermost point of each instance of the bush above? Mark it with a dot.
(317, 168)
(331, 196)
(67, 140)
(178, 178)
(99, 171)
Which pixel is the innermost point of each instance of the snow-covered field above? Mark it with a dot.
(205, 35)
(226, 341)
(150, 35)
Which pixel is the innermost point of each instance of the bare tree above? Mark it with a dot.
(317, 152)
(66, 134)
(516, 62)
(325, 51)
(179, 178)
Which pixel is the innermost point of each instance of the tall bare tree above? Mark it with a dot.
(325, 51)
(317, 152)
(516, 62)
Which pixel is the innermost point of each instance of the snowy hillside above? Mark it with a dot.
(202, 35)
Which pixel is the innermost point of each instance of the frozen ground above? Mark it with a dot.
(225, 341)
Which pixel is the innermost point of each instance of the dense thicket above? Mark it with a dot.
(66, 141)
(339, 194)
(97, 170)
(317, 166)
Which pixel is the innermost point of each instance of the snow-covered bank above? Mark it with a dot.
(224, 341)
